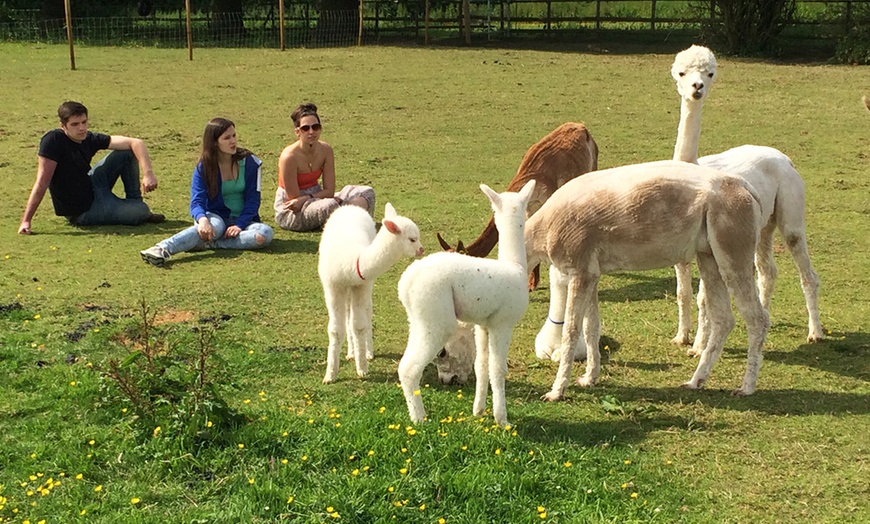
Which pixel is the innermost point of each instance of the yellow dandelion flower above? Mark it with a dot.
(157, 431)
(624, 485)
(531, 453)
(39, 475)
(626, 462)
(397, 504)
(79, 476)
(416, 392)
(247, 401)
(335, 515)
(135, 500)
(391, 489)
(330, 509)
(289, 500)
(668, 462)
(262, 393)
(464, 448)
(568, 464)
(371, 452)
(82, 512)
(412, 432)
(382, 409)
(498, 451)
(36, 316)
(541, 509)
(123, 410)
(365, 468)
(304, 458)
(99, 488)
(441, 521)
(355, 472)
(542, 515)
(251, 481)
(284, 434)
(33, 455)
(250, 352)
(91, 442)
(634, 495)
(422, 507)
(311, 421)
(32, 477)
(459, 395)
(73, 383)
(338, 424)
(208, 423)
(241, 446)
(284, 461)
(403, 471)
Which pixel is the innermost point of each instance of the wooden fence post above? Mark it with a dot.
(281, 22)
(69, 35)
(189, 35)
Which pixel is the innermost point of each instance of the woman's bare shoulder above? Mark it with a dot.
(290, 151)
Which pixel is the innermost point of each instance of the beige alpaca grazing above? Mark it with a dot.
(649, 216)
(774, 178)
(566, 153)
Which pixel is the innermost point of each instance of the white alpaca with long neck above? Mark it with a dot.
(352, 256)
(772, 175)
(445, 288)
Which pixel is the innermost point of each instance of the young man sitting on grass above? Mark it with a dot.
(84, 195)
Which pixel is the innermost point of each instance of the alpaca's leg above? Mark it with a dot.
(481, 369)
(351, 351)
(499, 342)
(797, 244)
(720, 318)
(684, 303)
(703, 334)
(424, 342)
(791, 219)
(370, 348)
(360, 299)
(591, 334)
(581, 290)
(765, 265)
(336, 305)
(549, 338)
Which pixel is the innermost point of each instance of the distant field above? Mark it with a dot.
(424, 127)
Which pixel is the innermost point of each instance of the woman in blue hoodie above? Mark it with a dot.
(224, 199)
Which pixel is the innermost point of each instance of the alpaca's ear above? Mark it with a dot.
(391, 226)
(527, 190)
(460, 247)
(390, 211)
(444, 245)
(493, 197)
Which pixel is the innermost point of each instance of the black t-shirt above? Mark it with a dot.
(71, 190)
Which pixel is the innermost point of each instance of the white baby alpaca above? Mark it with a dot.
(352, 256)
(445, 288)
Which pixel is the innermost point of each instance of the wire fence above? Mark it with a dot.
(388, 20)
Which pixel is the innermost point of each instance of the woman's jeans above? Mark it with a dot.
(188, 239)
(107, 208)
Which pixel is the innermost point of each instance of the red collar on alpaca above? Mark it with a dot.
(358, 271)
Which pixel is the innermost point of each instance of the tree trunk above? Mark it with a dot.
(226, 19)
(338, 21)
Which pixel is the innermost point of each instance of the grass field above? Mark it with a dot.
(424, 127)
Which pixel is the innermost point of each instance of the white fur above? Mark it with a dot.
(445, 288)
(349, 248)
(648, 216)
(772, 175)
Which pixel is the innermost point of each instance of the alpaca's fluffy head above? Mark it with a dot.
(694, 70)
(456, 360)
(405, 230)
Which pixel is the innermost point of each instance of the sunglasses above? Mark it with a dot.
(306, 128)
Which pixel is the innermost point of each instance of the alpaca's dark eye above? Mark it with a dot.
(412, 240)
(710, 75)
(443, 353)
(682, 74)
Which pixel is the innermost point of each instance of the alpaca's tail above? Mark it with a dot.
(866, 102)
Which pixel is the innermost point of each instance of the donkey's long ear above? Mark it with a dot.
(493, 197)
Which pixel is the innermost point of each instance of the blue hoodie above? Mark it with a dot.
(201, 203)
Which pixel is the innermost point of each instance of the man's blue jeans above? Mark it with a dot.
(188, 239)
(107, 208)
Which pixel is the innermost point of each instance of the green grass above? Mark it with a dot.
(424, 127)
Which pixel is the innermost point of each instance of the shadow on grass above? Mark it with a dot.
(594, 432)
(845, 354)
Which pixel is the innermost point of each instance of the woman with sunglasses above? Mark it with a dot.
(224, 199)
(306, 194)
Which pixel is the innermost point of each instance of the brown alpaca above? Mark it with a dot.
(566, 153)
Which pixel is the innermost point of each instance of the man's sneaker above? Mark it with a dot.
(155, 218)
(156, 256)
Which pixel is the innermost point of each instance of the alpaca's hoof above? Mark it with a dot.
(361, 374)
(692, 352)
(815, 337)
(328, 380)
(349, 356)
(586, 381)
(544, 353)
(551, 396)
(742, 392)
(682, 340)
(693, 384)
(370, 356)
